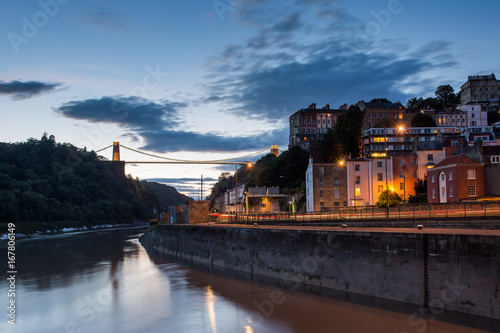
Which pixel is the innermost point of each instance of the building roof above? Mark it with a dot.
(368, 105)
(455, 159)
(429, 145)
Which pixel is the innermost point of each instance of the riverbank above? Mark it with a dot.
(34, 229)
(444, 269)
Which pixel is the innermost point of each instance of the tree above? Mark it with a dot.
(447, 97)
(423, 120)
(420, 192)
(387, 123)
(415, 103)
(394, 199)
(348, 131)
(380, 100)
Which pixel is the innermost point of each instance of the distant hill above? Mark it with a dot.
(50, 185)
(167, 195)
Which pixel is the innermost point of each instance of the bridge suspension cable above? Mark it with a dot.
(98, 151)
(175, 160)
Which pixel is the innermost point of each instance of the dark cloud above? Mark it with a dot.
(130, 112)
(314, 51)
(19, 90)
(158, 124)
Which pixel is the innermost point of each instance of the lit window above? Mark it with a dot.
(471, 174)
(380, 188)
(471, 190)
(401, 186)
(357, 191)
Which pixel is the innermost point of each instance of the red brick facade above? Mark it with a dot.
(454, 179)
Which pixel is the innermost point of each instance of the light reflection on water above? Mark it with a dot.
(106, 282)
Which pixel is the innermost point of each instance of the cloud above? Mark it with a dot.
(159, 125)
(314, 51)
(19, 90)
(106, 20)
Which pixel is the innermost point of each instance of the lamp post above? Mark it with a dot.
(386, 175)
(401, 131)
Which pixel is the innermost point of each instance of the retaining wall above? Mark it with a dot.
(457, 272)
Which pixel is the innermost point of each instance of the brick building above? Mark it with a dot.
(454, 179)
(326, 186)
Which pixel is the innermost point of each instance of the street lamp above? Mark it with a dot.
(402, 132)
(386, 174)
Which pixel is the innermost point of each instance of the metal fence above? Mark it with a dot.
(408, 211)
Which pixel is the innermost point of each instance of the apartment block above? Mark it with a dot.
(311, 124)
(326, 186)
(483, 90)
(376, 112)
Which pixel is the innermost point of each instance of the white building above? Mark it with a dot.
(475, 115)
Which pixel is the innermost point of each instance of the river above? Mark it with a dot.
(105, 281)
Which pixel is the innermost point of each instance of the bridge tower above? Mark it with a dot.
(116, 151)
(274, 150)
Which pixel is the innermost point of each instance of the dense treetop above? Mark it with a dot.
(45, 181)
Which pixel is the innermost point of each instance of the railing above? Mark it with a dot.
(408, 211)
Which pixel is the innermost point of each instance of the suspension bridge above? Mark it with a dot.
(166, 160)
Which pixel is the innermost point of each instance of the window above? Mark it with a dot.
(433, 180)
(336, 204)
(321, 194)
(451, 191)
(402, 174)
(380, 177)
(402, 186)
(336, 170)
(336, 182)
(443, 192)
(473, 115)
(321, 182)
(415, 162)
(357, 180)
(321, 170)
(380, 188)
(379, 164)
(336, 194)
(450, 176)
(471, 190)
(433, 193)
(430, 157)
(443, 177)
(415, 175)
(471, 174)
(303, 131)
(401, 162)
(322, 204)
(314, 130)
(357, 192)
(356, 167)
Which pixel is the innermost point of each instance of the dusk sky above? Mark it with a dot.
(208, 79)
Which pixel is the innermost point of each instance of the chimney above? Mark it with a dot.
(312, 106)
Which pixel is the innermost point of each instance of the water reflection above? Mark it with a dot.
(106, 282)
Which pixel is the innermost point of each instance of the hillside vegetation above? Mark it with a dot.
(49, 185)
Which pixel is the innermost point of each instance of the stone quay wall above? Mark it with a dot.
(442, 271)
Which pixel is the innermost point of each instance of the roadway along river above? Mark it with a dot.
(104, 281)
